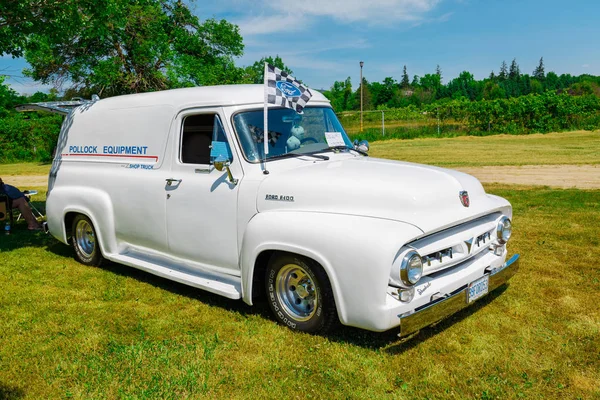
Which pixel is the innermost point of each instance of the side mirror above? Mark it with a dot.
(221, 163)
(363, 146)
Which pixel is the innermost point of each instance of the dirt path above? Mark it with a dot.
(26, 181)
(561, 176)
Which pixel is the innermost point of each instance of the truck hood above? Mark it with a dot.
(424, 196)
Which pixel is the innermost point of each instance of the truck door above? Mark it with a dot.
(201, 202)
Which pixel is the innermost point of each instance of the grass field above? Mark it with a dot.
(579, 147)
(7, 170)
(67, 330)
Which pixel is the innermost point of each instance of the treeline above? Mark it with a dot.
(539, 113)
(26, 136)
(508, 83)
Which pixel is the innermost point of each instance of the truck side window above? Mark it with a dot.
(220, 147)
(196, 138)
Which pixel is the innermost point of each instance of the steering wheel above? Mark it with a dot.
(309, 139)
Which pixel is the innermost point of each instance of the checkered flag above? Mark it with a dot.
(283, 90)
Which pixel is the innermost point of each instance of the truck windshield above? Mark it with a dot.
(315, 130)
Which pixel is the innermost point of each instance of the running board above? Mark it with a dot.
(224, 285)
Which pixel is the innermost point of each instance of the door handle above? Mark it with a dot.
(171, 180)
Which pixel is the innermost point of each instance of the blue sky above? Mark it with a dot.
(323, 41)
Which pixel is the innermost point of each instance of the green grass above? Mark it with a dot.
(577, 147)
(67, 330)
(7, 170)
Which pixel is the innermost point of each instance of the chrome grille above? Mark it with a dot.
(438, 256)
(452, 246)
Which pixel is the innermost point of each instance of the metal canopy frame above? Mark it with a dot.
(56, 107)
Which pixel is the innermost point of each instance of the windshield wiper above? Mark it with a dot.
(319, 156)
(347, 149)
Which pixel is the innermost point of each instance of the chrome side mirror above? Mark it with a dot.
(221, 163)
(363, 146)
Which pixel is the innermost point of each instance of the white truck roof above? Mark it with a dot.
(224, 95)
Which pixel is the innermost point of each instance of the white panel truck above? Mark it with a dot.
(176, 183)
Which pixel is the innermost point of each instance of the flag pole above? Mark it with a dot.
(266, 121)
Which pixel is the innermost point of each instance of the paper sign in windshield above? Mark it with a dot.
(334, 139)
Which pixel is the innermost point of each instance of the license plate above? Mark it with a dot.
(478, 288)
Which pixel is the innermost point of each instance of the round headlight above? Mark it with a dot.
(504, 230)
(411, 269)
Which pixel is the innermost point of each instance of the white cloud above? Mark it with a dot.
(355, 44)
(293, 16)
(585, 66)
(261, 25)
(373, 11)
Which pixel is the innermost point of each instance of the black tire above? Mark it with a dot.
(299, 294)
(85, 243)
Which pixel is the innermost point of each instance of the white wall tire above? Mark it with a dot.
(85, 242)
(299, 294)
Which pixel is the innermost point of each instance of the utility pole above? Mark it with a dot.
(361, 96)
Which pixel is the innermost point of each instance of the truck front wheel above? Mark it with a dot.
(85, 242)
(299, 293)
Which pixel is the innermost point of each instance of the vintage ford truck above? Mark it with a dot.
(176, 183)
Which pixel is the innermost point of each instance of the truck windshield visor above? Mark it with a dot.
(316, 129)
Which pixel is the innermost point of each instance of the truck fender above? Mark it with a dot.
(93, 203)
(356, 253)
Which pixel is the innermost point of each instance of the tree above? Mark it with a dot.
(386, 92)
(431, 83)
(122, 47)
(20, 18)
(438, 72)
(464, 86)
(7, 97)
(255, 72)
(552, 82)
(538, 73)
(493, 91)
(341, 95)
(503, 71)
(405, 82)
(536, 86)
(514, 73)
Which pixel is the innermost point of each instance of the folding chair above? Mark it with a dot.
(6, 209)
(36, 212)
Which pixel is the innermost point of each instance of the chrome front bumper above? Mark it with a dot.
(445, 307)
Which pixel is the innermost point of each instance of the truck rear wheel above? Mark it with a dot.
(299, 293)
(85, 243)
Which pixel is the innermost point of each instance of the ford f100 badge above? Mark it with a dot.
(464, 198)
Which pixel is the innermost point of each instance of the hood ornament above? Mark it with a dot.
(464, 198)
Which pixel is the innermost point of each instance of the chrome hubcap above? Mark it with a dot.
(296, 292)
(84, 235)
